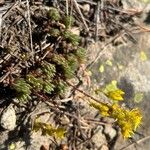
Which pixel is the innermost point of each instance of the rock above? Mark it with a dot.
(75, 30)
(3, 138)
(2, 2)
(86, 8)
(110, 131)
(8, 118)
(64, 120)
(99, 138)
(128, 4)
(104, 147)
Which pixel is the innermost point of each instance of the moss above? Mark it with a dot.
(36, 83)
(48, 87)
(55, 32)
(72, 38)
(47, 76)
(80, 54)
(63, 64)
(61, 87)
(68, 21)
(72, 62)
(23, 89)
(48, 69)
(53, 14)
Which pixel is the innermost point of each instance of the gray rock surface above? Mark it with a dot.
(132, 74)
(99, 138)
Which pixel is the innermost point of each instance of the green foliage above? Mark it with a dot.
(23, 89)
(36, 83)
(49, 69)
(61, 87)
(64, 65)
(47, 76)
(48, 129)
(72, 62)
(80, 54)
(54, 32)
(48, 87)
(72, 38)
(53, 14)
(68, 21)
(101, 68)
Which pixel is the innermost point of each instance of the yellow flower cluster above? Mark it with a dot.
(103, 108)
(116, 95)
(128, 120)
(48, 129)
(113, 92)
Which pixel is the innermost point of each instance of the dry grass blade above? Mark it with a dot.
(30, 30)
(67, 7)
(97, 20)
(137, 142)
(82, 17)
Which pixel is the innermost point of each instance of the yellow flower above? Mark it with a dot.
(128, 120)
(116, 95)
(103, 108)
(126, 130)
(136, 117)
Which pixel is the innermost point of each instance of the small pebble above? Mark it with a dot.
(104, 147)
(8, 118)
(110, 131)
(86, 8)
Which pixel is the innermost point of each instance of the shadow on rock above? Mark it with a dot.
(128, 88)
